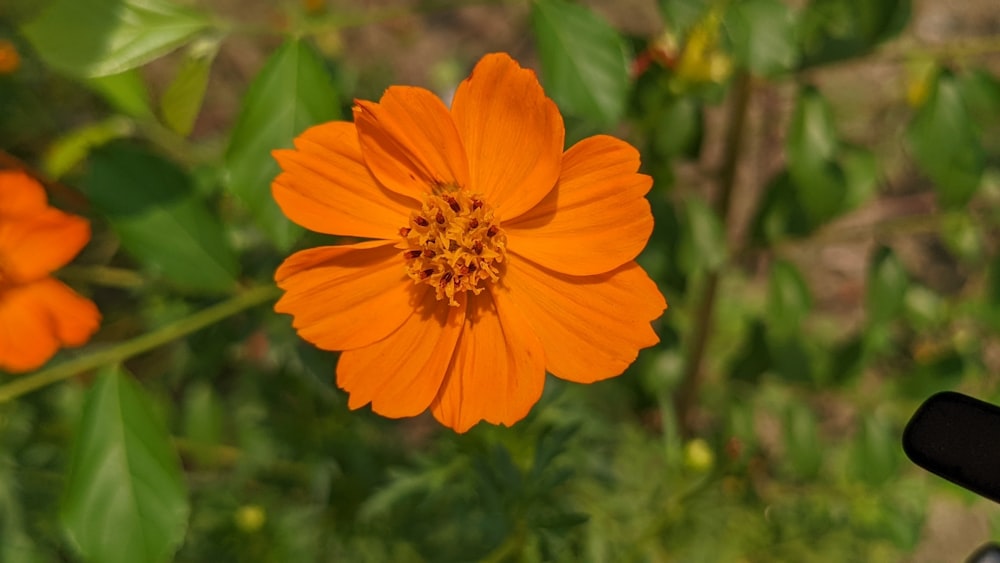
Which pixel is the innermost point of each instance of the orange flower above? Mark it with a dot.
(495, 255)
(38, 313)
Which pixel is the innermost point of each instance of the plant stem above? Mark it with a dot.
(687, 392)
(125, 350)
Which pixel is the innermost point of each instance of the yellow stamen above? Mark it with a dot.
(453, 244)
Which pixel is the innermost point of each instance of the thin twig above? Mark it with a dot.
(687, 392)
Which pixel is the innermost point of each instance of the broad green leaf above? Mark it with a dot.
(763, 33)
(584, 66)
(812, 147)
(182, 100)
(945, 145)
(151, 205)
(125, 499)
(291, 93)
(125, 91)
(73, 147)
(887, 283)
(789, 299)
(99, 37)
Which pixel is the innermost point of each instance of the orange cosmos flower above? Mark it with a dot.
(494, 257)
(38, 314)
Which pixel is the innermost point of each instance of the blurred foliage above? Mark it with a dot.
(211, 433)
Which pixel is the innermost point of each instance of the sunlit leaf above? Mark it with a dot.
(125, 499)
(125, 91)
(182, 100)
(98, 37)
(764, 35)
(861, 174)
(75, 145)
(151, 205)
(292, 92)
(584, 67)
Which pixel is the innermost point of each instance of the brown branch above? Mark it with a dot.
(687, 392)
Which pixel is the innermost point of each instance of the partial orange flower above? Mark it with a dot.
(494, 255)
(38, 314)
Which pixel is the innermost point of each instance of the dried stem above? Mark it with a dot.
(687, 393)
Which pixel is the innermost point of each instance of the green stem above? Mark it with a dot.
(125, 350)
(687, 392)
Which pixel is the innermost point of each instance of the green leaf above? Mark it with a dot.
(583, 59)
(125, 499)
(125, 91)
(981, 93)
(203, 419)
(182, 100)
(292, 92)
(803, 447)
(763, 33)
(812, 147)
(833, 30)
(781, 213)
(680, 15)
(789, 300)
(677, 127)
(151, 205)
(73, 147)
(887, 283)
(945, 145)
(704, 240)
(861, 173)
(876, 457)
(99, 37)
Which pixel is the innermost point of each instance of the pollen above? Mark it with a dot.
(454, 244)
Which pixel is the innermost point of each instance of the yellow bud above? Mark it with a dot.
(920, 76)
(249, 518)
(698, 456)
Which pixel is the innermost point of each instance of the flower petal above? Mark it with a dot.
(346, 297)
(401, 374)
(513, 134)
(326, 187)
(409, 141)
(596, 219)
(39, 317)
(34, 246)
(20, 194)
(498, 370)
(591, 327)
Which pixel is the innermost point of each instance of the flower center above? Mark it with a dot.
(453, 244)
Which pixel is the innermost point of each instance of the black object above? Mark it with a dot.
(957, 437)
(989, 553)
